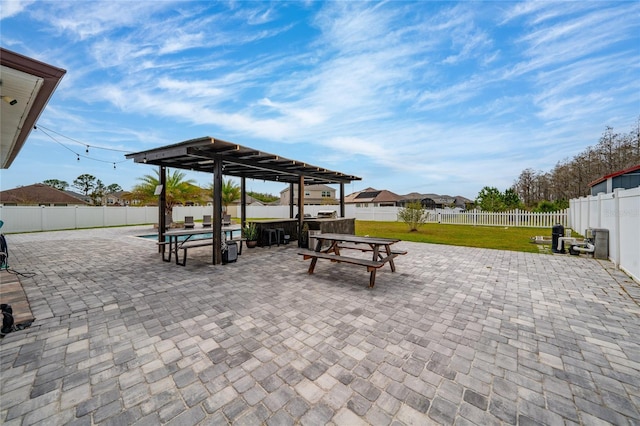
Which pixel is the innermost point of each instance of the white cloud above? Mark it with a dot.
(9, 8)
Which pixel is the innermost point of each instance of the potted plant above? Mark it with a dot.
(250, 232)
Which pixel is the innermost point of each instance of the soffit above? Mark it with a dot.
(31, 83)
(23, 88)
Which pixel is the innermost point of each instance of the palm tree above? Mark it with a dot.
(230, 192)
(177, 191)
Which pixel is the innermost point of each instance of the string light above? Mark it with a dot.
(40, 127)
(78, 155)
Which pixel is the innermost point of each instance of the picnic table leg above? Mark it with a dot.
(184, 258)
(393, 265)
(372, 277)
(312, 266)
(168, 259)
(164, 249)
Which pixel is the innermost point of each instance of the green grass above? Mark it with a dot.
(491, 237)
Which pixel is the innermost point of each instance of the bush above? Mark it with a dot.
(413, 215)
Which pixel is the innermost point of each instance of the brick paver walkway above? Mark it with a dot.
(456, 336)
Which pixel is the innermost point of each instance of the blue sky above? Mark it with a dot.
(429, 97)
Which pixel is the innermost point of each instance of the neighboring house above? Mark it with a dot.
(38, 194)
(120, 198)
(79, 196)
(313, 195)
(625, 179)
(435, 201)
(371, 197)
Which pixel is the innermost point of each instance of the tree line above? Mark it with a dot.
(570, 178)
(88, 185)
(179, 190)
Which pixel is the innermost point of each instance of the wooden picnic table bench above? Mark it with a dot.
(381, 248)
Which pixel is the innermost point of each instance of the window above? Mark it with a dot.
(326, 194)
(307, 194)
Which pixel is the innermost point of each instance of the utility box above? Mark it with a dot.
(231, 253)
(601, 243)
(556, 232)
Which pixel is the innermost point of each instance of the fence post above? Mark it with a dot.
(616, 234)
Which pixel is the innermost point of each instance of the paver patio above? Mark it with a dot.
(457, 336)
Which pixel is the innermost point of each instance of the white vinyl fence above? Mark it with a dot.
(619, 213)
(517, 218)
(38, 218)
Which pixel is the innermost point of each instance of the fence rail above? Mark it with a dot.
(514, 218)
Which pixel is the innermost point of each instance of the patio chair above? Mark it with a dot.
(188, 222)
(206, 221)
(226, 219)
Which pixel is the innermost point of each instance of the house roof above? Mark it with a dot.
(237, 160)
(615, 174)
(38, 193)
(30, 84)
(311, 188)
(371, 195)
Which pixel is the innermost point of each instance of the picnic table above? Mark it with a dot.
(380, 247)
(175, 243)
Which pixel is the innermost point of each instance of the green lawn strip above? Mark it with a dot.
(491, 237)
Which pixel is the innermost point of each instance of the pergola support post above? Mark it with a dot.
(342, 209)
(291, 199)
(217, 212)
(162, 207)
(243, 202)
(300, 209)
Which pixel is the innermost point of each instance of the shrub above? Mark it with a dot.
(413, 215)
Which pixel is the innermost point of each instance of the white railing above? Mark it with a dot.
(619, 213)
(515, 218)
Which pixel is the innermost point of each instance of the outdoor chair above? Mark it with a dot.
(206, 221)
(188, 222)
(226, 219)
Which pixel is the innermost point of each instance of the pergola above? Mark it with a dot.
(220, 158)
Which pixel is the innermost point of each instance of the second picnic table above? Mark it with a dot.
(381, 248)
(188, 241)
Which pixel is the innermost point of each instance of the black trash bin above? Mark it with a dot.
(556, 232)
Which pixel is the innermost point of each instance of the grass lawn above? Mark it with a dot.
(492, 237)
